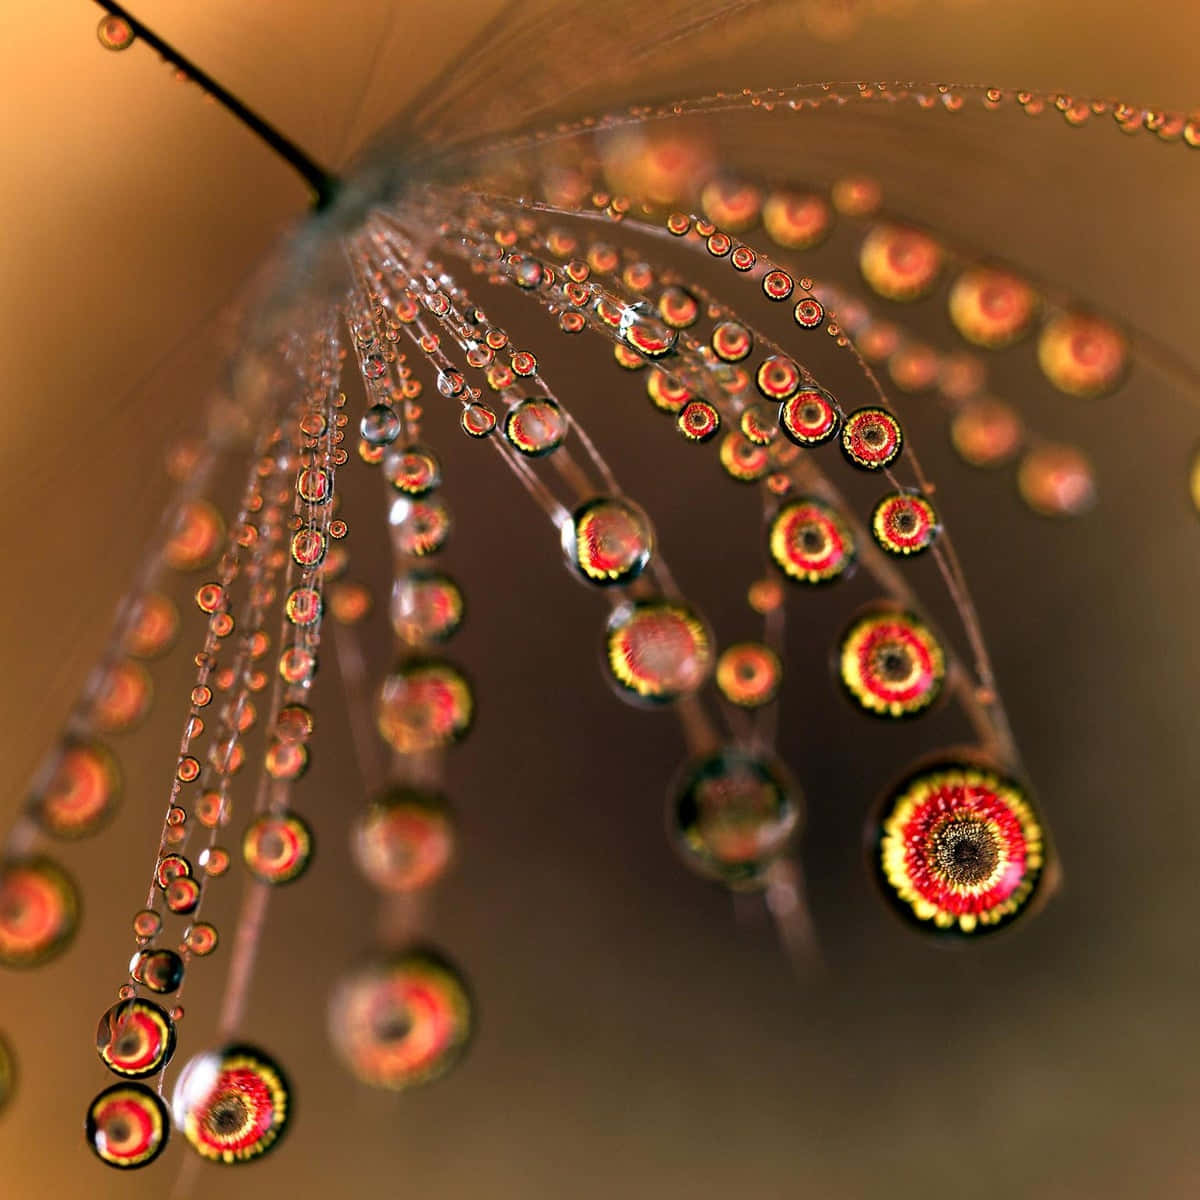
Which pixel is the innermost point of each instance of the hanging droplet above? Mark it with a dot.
(380, 425)
(424, 704)
(657, 650)
(778, 378)
(146, 923)
(809, 418)
(749, 674)
(153, 628)
(201, 938)
(426, 607)
(959, 849)
(277, 847)
(115, 33)
(732, 814)
(535, 426)
(182, 894)
(809, 313)
(732, 342)
(608, 541)
(414, 471)
(986, 433)
(158, 970)
(404, 841)
(401, 1021)
(742, 459)
(991, 307)
(215, 859)
(127, 1126)
(232, 1104)
(83, 792)
(796, 220)
(890, 663)
(871, 438)
(666, 393)
(197, 537)
(135, 1038)
(1056, 481)
(419, 527)
(900, 264)
(478, 420)
(698, 421)
(904, 523)
(39, 911)
(1082, 355)
(810, 542)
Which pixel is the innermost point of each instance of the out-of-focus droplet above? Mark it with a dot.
(657, 650)
(424, 704)
(277, 847)
(401, 1021)
(39, 911)
(404, 841)
(732, 814)
(1057, 481)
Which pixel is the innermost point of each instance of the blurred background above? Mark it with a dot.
(638, 1032)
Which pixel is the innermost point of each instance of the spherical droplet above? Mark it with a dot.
(732, 342)
(666, 393)
(402, 1021)
(201, 938)
(809, 417)
(214, 860)
(732, 814)
(146, 923)
(809, 313)
(157, 970)
(904, 523)
(182, 894)
(153, 628)
(986, 433)
(959, 849)
(232, 1104)
(900, 264)
(82, 793)
(115, 33)
(657, 650)
(608, 541)
(424, 704)
(277, 847)
(1056, 481)
(171, 866)
(698, 421)
(535, 426)
(871, 438)
(810, 542)
(380, 425)
(123, 697)
(991, 307)
(404, 841)
(39, 911)
(196, 541)
(778, 285)
(478, 420)
(890, 663)
(135, 1038)
(420, 527)
(749, 674)
(414, 471)
(426, 607)
(778, 377)
(1082, 355)
(127, 1126)
(744, 460)
(796, 220)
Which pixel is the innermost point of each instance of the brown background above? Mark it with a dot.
(638, 1036)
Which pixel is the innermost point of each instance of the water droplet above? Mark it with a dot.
(535, 426)
(809, 418)
(414, 471)
(890, 663)
(871, 438)
(158, 970)
(135, 1038)
(1082, 355)
(127, 1126)
(900, 264)
(232, 1104)
(608, 541)
(904, 524)
(749, 674)
(959, 848)
(39, 911)
(424, 704)
(83, 792)
(698, 421)
(657, 650)
(732, 814)
(1056, 481)
(810, 543)
(401, 1021)
(277, 847)
(991, 307)
(404, 841)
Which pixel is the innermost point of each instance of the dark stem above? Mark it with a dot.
(323, 183)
